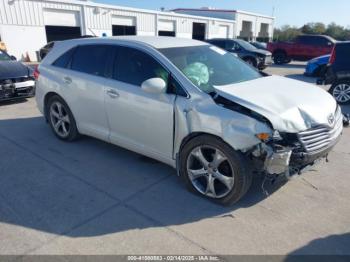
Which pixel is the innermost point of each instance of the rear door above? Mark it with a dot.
(303, 48)
(140, 121)
(83, 87)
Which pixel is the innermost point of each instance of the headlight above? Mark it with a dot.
(263, 136)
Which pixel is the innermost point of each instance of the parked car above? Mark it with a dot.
(190, 105)
(46, 49)
(16, 79)
(259, 45)
(303, 48)
(250, 54)
(317, 66)
(338, 73)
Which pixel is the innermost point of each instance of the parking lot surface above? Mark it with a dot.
(90, 197)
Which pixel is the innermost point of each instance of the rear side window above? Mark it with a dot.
(306, 40)
(64, 60)
(134, 67)
(321, 41)
(91, 59)
(343, 52)
(313, 40)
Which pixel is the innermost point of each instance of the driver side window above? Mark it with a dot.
(134, 67)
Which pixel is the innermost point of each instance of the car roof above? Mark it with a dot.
(157, 42)
(323, 36)
(343, 43)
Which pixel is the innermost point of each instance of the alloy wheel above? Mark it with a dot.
(210, 172)
(60, 119)
(341, 93)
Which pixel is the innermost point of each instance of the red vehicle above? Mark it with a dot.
(303, 48)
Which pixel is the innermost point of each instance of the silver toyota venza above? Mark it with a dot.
(188, 104)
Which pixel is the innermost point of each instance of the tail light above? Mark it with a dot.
(333, 56)
(36, 72)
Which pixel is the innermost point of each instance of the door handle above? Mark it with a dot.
(112, 93)
(67, 80)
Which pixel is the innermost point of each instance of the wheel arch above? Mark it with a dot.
(46, 100)
(191, 136)
(251, 57)
(279, 50)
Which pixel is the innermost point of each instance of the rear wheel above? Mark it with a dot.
(280, 58)
(61, 119)
(341, 92)
(211, 168)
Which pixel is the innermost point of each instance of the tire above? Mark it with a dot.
(341, 91)
(251, 61)
(280, 58)
(288, 60)
(61, 119)
(232, 169)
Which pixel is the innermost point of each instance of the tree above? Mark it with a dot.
(336, 31)
(288, 33)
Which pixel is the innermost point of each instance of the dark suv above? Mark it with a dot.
(338, 73)
(249, 53)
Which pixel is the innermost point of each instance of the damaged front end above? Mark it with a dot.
(293, 153)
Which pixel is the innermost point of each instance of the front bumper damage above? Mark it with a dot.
(10, 90)
(275, 160)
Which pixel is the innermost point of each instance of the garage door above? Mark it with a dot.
(61, 24)
(223, 31)
(166, 28)
(60, 33)
(123, 25)
(199, 31)
(61, 18)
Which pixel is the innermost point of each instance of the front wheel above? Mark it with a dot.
(251, 61)
(280, 58)
(341, 92)
(211, 168)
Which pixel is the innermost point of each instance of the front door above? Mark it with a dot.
(140, 121)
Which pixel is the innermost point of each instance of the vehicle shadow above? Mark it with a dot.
(91, 188)
(14, 101)
(329, 246)
(290, 66)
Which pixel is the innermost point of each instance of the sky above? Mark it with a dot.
(292, 12)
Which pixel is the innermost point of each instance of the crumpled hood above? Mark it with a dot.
(290, 105)
(12, 69)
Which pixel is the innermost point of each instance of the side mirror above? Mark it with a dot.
(13, 58)
(154, 86)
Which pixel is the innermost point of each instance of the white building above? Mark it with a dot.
(249, 26)
(27, 25)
